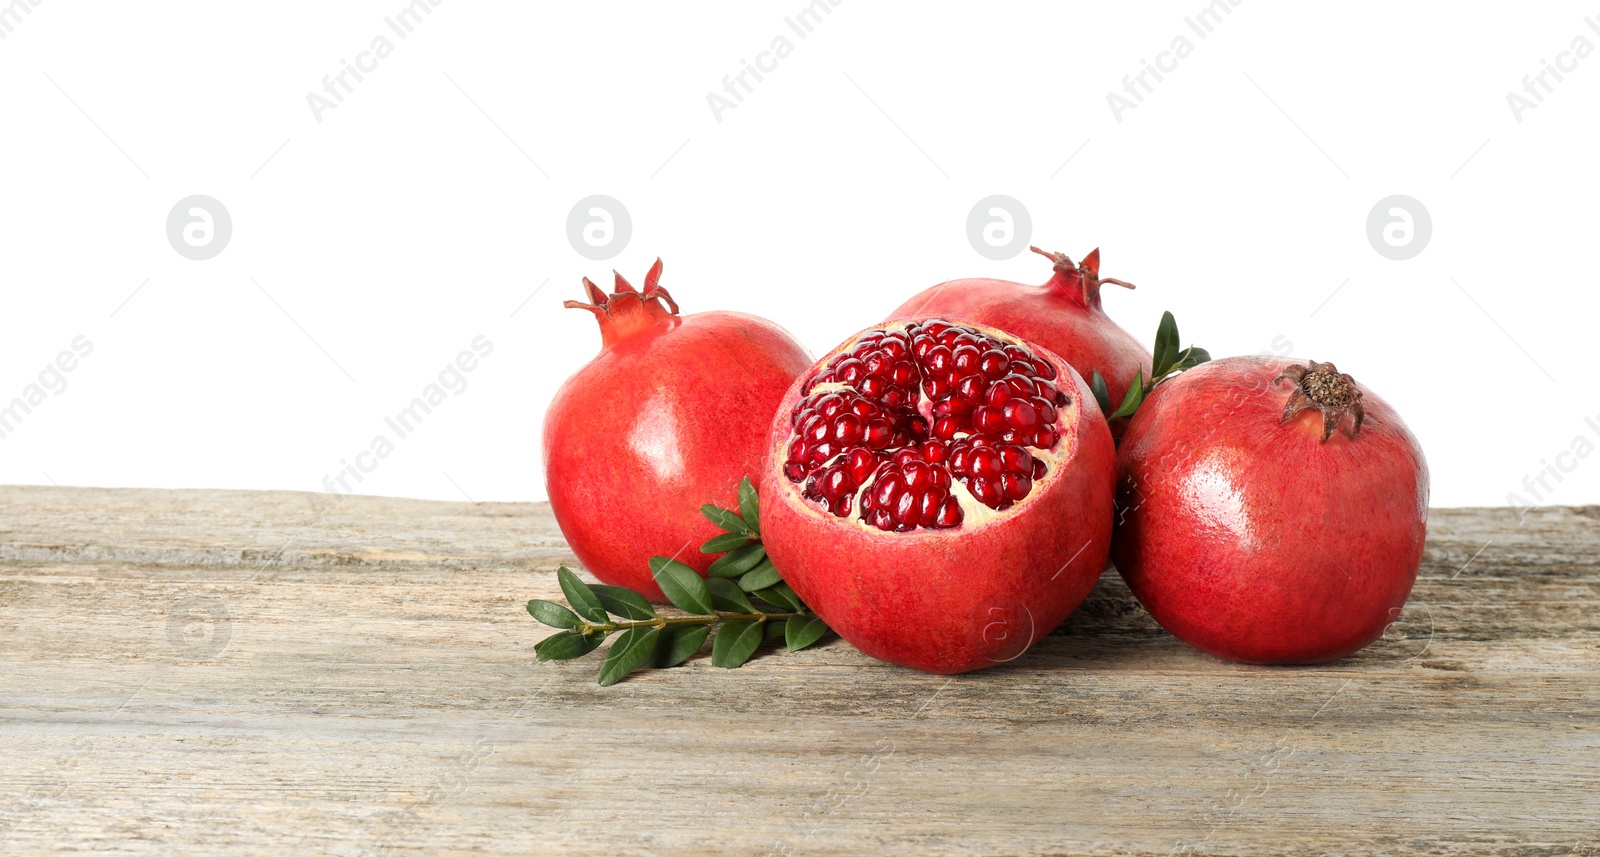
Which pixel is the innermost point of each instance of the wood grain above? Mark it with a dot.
(268, 673)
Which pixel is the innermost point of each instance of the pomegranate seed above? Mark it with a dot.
(1015, 485)
(841, 507)
(887, 489)
(816, 430)
(851, 371)
(936, 388)
(903, 374)
(928, 506)
(836, 482)
(985, 463)
(873, 385)
(918, 475)
(988, 420)
(878, 433)
(1044, 368)
(905, 508)
(795, 471)
(1016, 459)
(986, 491)
(1047, 411)
(939, 359)
(877, 363)
(1021, 415)
(993, 364)
(998, 395)
(1045, 439)
(860, 463)
(966, 359)
(921, 345)
(865, 409)
(935, 452)
(949, 514)
(821, 452)
(1039, 469)
(960, 460)
(847, 429)
(971, 389)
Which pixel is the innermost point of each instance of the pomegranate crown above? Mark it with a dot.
(1324, 387)
(1083, 281)
(627, 311)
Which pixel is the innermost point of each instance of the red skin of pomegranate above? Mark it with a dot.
(952, 600)
(1256, 540)
(670, 415)
(1063, 315)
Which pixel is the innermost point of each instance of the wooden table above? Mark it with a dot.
(239, 673)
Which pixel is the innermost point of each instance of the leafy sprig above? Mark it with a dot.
(1168, 360)
(744, 600)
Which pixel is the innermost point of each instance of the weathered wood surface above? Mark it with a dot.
(243, 673)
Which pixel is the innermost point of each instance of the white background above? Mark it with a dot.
(369, 248)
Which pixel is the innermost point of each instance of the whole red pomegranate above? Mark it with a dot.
(1063, 315)
(671, 415)
(940, 493)
(1271, 512)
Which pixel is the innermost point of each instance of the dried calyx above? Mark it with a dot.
(627, 310)
(1322, 386)
(1084, 278)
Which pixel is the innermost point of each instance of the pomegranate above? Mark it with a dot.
(939, 493)
(1271, 512)
(1063, 315)
(670, 415)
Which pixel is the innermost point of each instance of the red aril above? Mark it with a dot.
(1063, 315)
(940, 493)
(1271, 512)
(671, 415)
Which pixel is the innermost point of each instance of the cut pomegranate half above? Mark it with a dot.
(939, 492)
(925, 424)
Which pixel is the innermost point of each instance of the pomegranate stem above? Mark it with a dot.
(586, 628)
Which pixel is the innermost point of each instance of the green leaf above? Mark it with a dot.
(781, 595)
(1194, 357)
(772, 631)
(749, 508)
(725, 519)
(552, 614)
(583, 602)
(683, 586)
(1102, 396)
(726, 542)
(566, 645)
(728, 597)
(802, 631)
(679, 643)
(1130, 402)
(736, 641)
(630, 652)
(1166, 350)
(760, 577)
(737, 562)
(623, 602)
